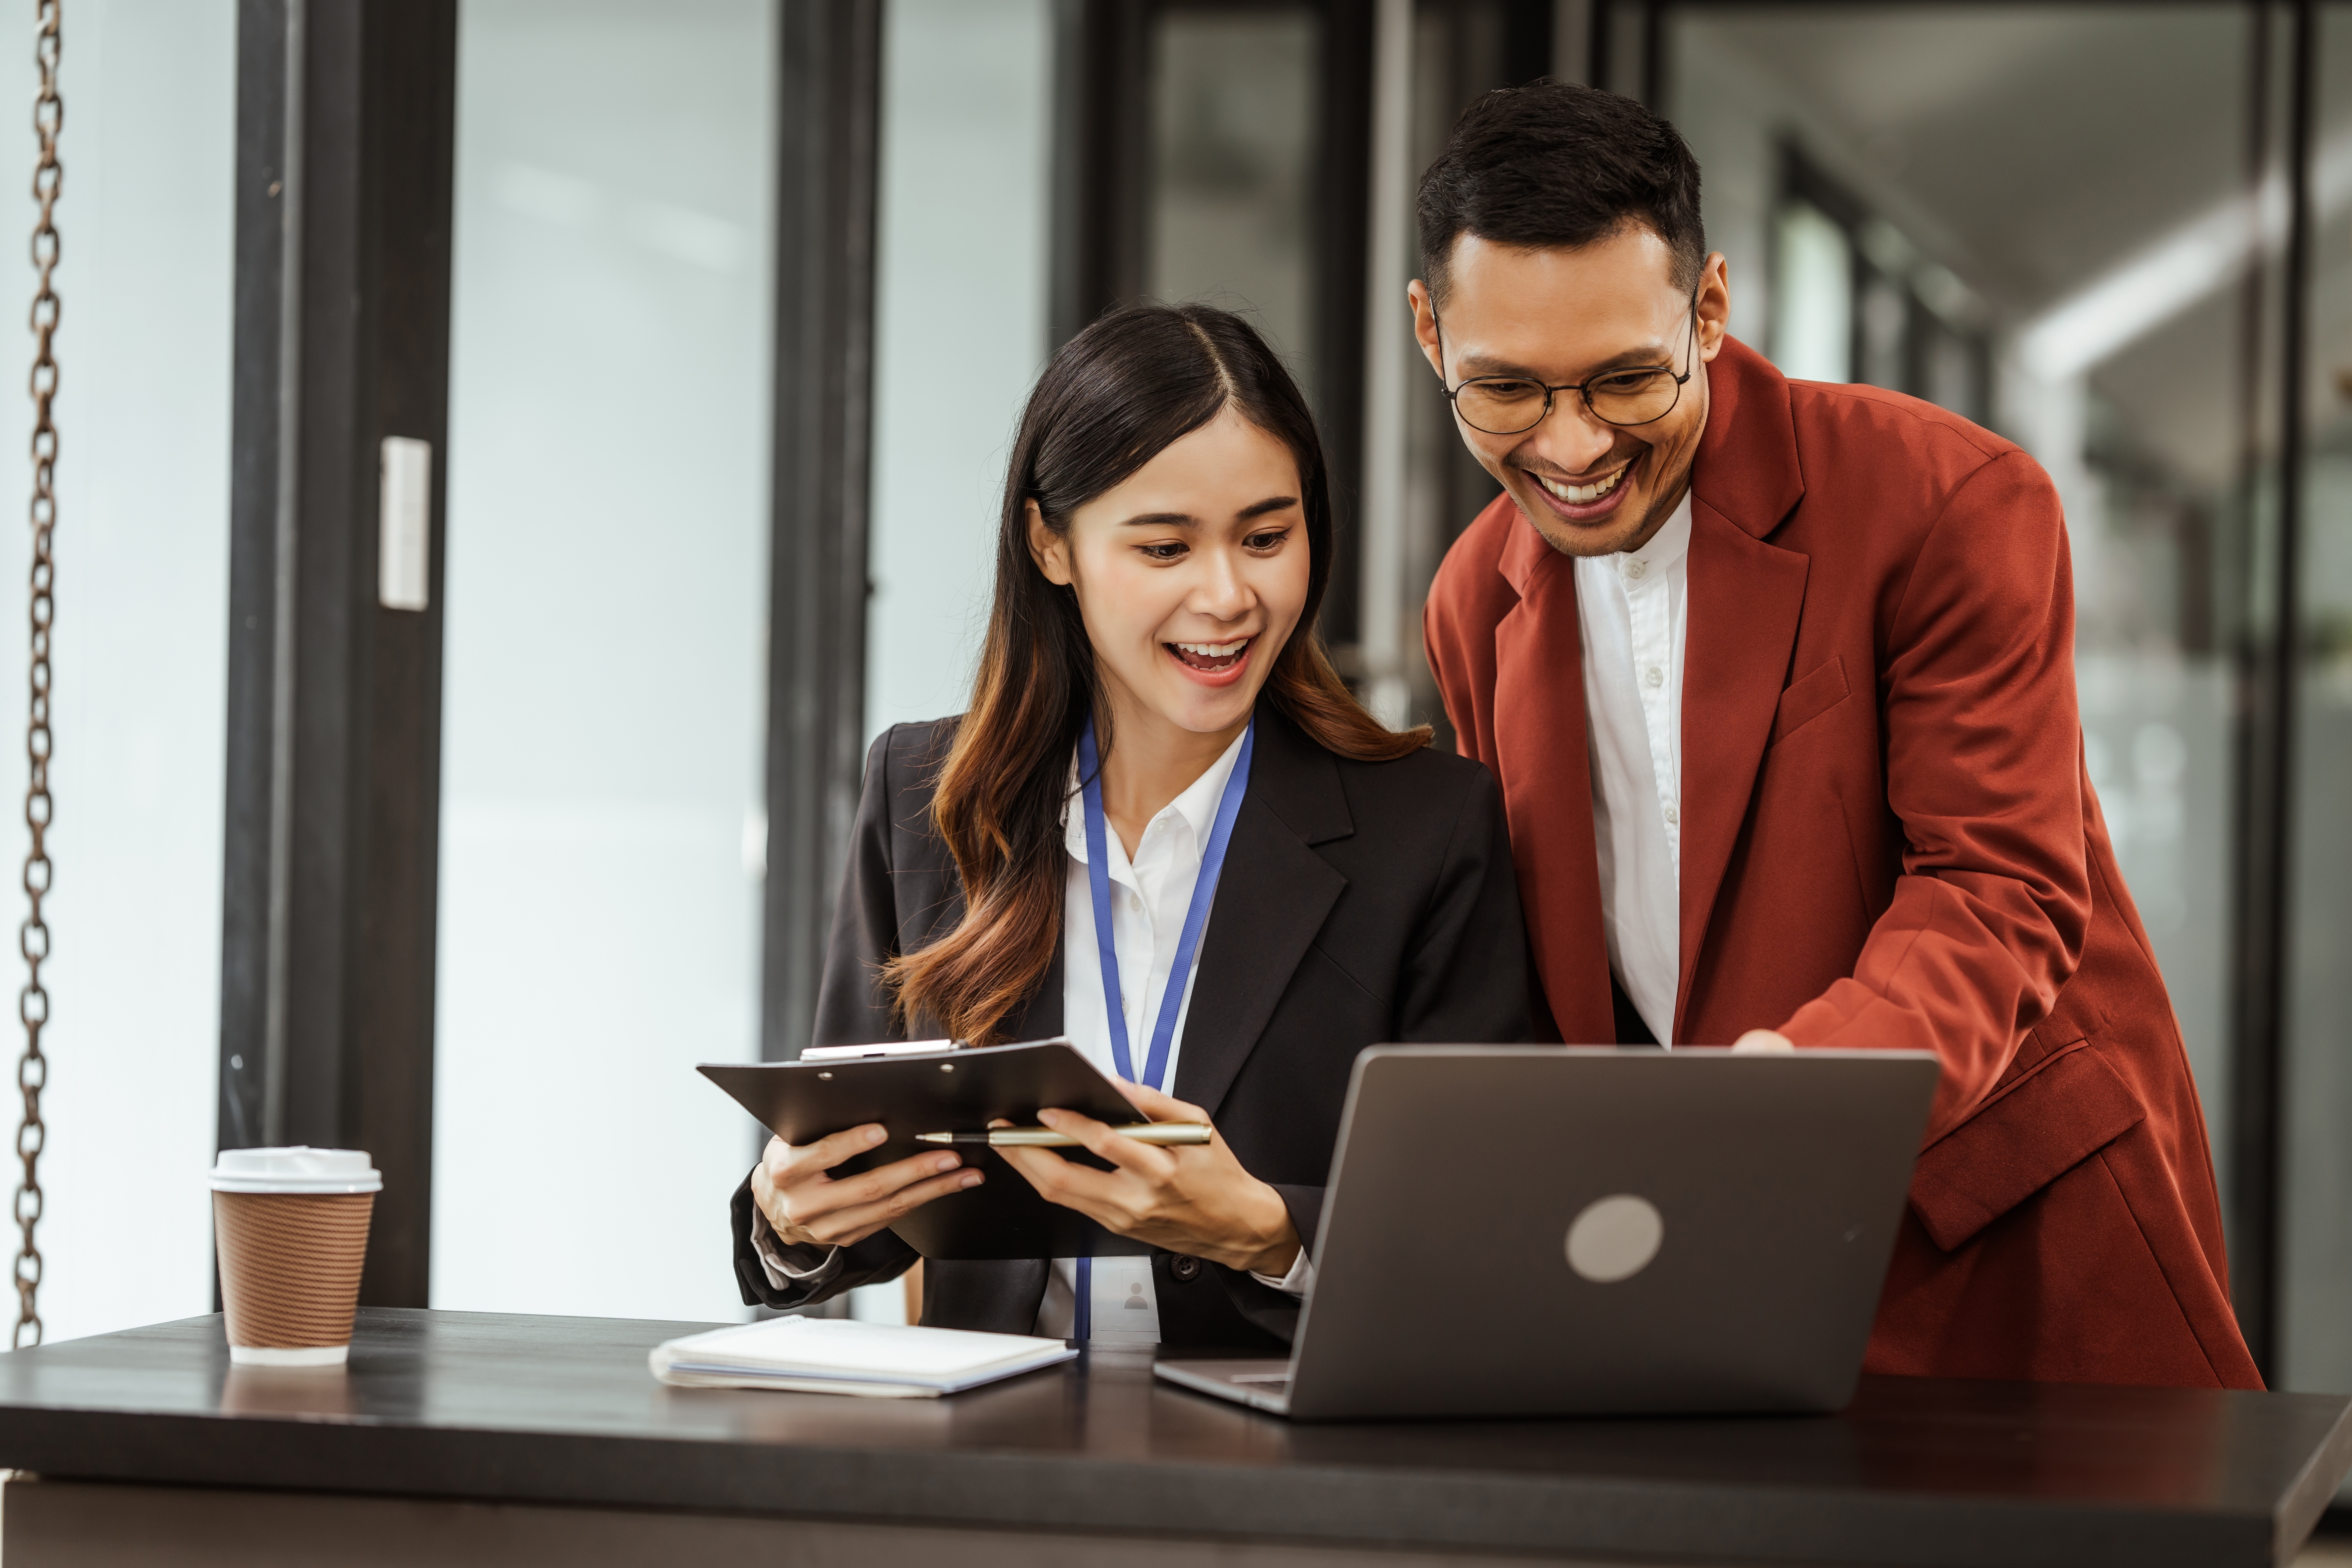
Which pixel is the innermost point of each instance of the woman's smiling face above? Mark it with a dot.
(1190, 574)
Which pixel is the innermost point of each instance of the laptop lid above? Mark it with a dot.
(1547, 1230)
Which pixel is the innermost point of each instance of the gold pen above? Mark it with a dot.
(1159, 1133)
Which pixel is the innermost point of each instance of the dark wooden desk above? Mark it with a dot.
(463, 1437)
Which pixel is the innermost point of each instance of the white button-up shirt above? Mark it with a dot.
(1633, 610)
(1150, 895)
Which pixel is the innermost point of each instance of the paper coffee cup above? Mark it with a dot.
(291, 1225)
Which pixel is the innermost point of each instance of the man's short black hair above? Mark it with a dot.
(1553, 164)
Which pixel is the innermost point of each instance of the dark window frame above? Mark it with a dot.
(346, 135)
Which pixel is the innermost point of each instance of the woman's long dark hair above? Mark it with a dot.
(1116, 396)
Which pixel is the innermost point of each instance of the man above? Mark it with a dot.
(1778, 679)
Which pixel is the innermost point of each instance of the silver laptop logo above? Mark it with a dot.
(1615, 1237)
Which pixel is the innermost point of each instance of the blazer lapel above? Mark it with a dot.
(1543, 760)
(1271, 900)
(1747, 598)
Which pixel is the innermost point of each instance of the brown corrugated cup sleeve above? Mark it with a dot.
(289, 1266)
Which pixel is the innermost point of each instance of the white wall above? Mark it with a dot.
(960, 328)
(140, 650)
(603, 716)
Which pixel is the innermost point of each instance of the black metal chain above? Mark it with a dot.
(33, 1003)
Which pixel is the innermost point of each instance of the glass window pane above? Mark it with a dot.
(601, 830)
(1813, 296)
(143, 348)
(960, 329)
(1236, 98)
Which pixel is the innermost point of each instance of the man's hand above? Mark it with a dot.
(1764, 1043)
(1194, 1199)
(811, 1208)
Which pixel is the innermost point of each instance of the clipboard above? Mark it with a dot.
(948, 1090)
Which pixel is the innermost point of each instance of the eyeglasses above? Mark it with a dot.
(1512, 405)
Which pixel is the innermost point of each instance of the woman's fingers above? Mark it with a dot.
(847, 1226)
(1065, 1182)
(830, 1195)
(1194, 1200)
(1153, 1164)
(771, 1161)
(1161, 1107)
(787, 1163)
(810, 1206)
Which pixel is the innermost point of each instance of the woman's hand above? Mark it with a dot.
(1193, 1199)
(809, 1207)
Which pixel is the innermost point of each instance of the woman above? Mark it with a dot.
(1155, 738)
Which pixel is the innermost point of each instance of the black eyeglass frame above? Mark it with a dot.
(1583, 389)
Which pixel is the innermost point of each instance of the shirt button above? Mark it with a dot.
(1653, 677)
(1184, 1268)
(1635, 568)
(1673, 816)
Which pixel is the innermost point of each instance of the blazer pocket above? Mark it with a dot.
(2052, 1121)
(1811, 697)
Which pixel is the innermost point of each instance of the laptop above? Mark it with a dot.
(1539, 1230)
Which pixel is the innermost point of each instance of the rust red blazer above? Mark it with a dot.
(1888, 840)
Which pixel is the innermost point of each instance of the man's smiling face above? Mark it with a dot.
(1562, 315)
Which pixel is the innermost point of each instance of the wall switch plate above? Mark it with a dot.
(404, 524)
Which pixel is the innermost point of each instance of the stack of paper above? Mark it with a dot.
(838, 1356)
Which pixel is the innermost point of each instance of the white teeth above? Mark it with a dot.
(1215, 649)
(1582, 495)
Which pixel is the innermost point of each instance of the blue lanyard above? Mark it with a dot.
(1196, 915)
(1180, 972)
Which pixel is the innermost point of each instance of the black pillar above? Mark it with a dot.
(1341, 234)
(345, 126)
(2269, 687)
(1101, 93)
(830, 111)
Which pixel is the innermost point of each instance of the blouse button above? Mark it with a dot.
(1186, 1269)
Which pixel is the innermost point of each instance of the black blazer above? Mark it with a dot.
(1360, 902)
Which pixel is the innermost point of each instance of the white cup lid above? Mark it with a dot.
(301, 1169)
